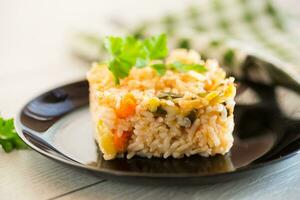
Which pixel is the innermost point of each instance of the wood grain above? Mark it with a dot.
(28, 175)
(280, 181)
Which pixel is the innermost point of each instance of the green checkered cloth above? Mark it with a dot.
(252, 39)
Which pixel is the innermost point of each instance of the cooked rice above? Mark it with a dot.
(198, 119)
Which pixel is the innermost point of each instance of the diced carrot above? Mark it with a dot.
(127, 106)
(121, 142)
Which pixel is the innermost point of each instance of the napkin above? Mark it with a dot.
(253, 40)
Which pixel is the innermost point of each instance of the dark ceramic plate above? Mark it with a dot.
(57, 124)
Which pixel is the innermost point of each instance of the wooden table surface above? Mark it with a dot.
(35, 55)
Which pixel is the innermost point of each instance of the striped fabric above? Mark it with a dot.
(251, 38)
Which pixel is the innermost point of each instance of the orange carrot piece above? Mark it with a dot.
(127, 106)
(121, 142)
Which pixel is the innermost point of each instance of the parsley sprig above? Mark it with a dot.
(130, 52)
(9, 138)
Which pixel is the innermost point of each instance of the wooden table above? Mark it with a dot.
(35, 56)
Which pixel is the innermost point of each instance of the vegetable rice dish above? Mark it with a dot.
(150, 102)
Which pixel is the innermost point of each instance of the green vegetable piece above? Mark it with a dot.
(169, 95)
(7, 146)
(160, 112)
(19, 144)
(188, 67)
(9, 138)
(160, 69)
(192, 116)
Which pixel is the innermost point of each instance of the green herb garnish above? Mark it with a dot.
(178, 66)
(131, 52)
(9, 138)
(160, 68)
(156, 47)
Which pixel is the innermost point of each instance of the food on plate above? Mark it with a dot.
(148, 102)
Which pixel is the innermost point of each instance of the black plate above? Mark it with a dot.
(57, 124)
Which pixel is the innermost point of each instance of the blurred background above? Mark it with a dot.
(46, 43)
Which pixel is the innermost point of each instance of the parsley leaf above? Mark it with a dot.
(129, 52)
(9, 138)
(156, 46)
(119, 69)
(160, 69)
(124, 54)
(113, 44)
(141, 62)
(180, 67)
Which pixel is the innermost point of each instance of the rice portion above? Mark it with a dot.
(174, 115)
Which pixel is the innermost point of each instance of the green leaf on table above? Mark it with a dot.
(9, 138)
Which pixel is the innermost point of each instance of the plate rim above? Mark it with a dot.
(20, 127)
